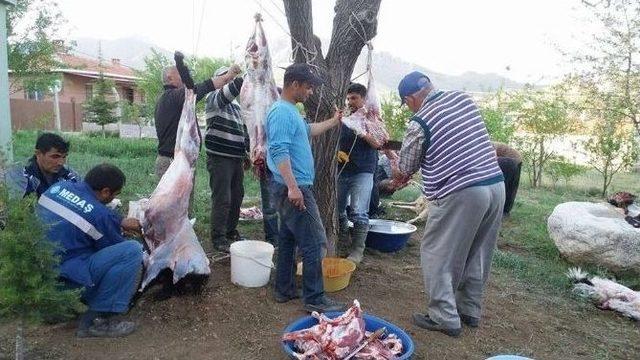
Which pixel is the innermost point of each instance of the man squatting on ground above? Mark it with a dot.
(290, 160)
(447, 140)
(93, 253)
(44, 168)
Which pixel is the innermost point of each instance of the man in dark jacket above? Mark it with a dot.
(94, 256)
(356, 177)
(44, 168)
(169, 108)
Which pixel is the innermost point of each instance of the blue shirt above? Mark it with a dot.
(79, 224)
(288, 138)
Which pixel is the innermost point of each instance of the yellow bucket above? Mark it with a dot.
(336, 273)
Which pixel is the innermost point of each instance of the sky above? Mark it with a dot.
(514, 38)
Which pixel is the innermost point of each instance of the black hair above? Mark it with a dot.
(288, 80)
(105, 176)
(355, 88)
(47, 141)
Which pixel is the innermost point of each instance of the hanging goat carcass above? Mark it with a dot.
(170, 239)
(258, 93)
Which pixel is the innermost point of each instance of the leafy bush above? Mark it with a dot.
(395, 116)
(560, 169)
(29, 288)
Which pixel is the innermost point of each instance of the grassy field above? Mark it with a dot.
(529, 307)
(525, 250)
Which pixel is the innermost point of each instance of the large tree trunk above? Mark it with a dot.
(353, 23)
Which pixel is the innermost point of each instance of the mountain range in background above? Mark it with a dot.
(388, 69)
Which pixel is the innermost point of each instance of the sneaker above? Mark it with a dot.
(470, 320)
(279, 298)
(107, 328)
(325, 305)
(425, 322)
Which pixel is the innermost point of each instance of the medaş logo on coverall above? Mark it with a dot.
(72, 198)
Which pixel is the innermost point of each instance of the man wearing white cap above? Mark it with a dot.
(226, 142)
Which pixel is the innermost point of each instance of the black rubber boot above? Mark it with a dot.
(358, 239)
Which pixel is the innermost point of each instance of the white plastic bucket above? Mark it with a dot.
(251, 263)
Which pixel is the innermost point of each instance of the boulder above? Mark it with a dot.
(597, 234)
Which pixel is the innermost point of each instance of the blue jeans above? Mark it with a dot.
(115, 272)
(302, 229)
(269, 213)
(358, 186)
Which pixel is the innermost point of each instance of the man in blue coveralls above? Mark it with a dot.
(94, 254)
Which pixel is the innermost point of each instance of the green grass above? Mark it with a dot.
(526, 250)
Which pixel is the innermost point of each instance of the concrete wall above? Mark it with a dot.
(29, 114)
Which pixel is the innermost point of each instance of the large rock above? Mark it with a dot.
(590, 233)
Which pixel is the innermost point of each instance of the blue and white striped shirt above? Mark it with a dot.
(457, 152)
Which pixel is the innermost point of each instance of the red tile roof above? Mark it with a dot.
(110, 67)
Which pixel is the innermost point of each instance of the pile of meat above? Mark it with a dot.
(340, 337)
(626, 201)
(252, 213)
(367, 120)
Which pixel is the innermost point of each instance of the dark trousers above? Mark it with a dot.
(227, 191)
(303, 229)
(269, 212)
(375, 193)
(511, 170)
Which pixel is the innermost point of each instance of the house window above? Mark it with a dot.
(36, 95)
(128, 94)
(88, 91)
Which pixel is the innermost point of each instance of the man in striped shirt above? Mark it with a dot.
(226, 143)
(448, 142)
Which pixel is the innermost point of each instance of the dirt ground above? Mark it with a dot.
(229, 322)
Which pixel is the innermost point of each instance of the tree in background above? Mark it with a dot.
(610, 65)
(543, 115)
(559, 167)
(612, 147)
(101, 109)
(495, 113)
(31, 27)
(132, 113)
(395, 116)
(354, 24)
(150, 78)
(29, 288)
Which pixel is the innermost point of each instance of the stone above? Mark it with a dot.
(597, 234)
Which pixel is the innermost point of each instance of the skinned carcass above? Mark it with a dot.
(341, 337)
(367, 119)
(258, 93)
(169, 236)
(606, 294)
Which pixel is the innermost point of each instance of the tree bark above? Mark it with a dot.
(355, 23)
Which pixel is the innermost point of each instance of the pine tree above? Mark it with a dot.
(101, 109)
(29, 288)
